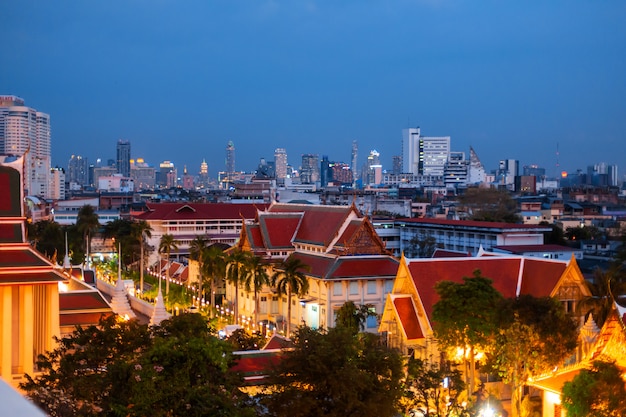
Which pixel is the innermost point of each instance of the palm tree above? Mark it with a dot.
(237, 269)
(167, 245)
(141, 230)
(197, 251)
(604, 289)
(289, 279)
(87, 224)
(214, 264)
(256, 279)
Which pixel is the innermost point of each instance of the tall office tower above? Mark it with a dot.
(476, 170)
(341, 173)
(353, 160)
(230, 157)
(77, 172)
(396, 162)
(203, 175)
(187, 180)
(280, 163)
(374, 171)
(326, 173)
(123, 158)
(25, 131)
(456, 170)
(611, 171)
(425, 155)
(310, 169)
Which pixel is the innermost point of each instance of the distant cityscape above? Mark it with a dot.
(424, 162)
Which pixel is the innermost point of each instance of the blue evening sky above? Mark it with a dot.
(179, 79)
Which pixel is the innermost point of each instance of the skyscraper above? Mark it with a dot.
(230, 157)
(123, 157)
(280, 162)
(424, 155)
(77, 172)
(310, 169)
(353, 160)
(25, 131)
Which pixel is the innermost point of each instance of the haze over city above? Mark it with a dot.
(180, 80)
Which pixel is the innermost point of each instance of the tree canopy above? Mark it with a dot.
(129, 369)
(599, 392)
(490, 205)
(335, 373)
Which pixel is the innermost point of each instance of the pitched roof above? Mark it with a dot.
(277, 231)
(21, 256)
(10, 233)
(476, 224)
(534, 276)
(320, 224)
(346, 267)
(521, 249)
(199, 211)
(407, 315)
(82, 300)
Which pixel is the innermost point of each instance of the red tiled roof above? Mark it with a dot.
(197, 211)
(348, 233)
(408, 317)
(443, 253)
(22, 256)
(366, 266)
(278, 342)
(541, 276)
(319, 225)
(278, 230)
(253, 232)
(503, 272)
(472, 223)
(255, 365)
(27, 277)
(319, 265)
(83, 300)
(81, 319)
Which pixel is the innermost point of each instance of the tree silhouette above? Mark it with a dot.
(166, 246)
(87, 224)
(256, 279)
(237, 269)
(288, 279)
(214, 264)
(197, 253)
(141, 230)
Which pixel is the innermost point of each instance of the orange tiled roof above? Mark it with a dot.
(278, 230)
(82, 300)
(355, 266)
(540, 276)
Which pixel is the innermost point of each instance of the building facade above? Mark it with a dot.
(26, 131)
(424, 155)
(123, 157)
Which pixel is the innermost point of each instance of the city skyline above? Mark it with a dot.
(512, 81)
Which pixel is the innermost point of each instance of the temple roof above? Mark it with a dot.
(346, 267)
(199, 211)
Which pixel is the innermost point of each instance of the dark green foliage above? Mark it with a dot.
(48, 237)
(336, 373)
(240, 339)
(426, 391)
(352, 317)
(596, 392)
(128, 369)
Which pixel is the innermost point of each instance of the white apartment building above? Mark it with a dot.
(25, 131)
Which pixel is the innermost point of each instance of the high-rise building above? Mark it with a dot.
(280, 163)
(167, 175)
(424, 155)
(373, 174)
(57, 184)
(535, 171)
(396, 163)
(123, 158)
(77, 172)
(326, 173)
(203, 175)
(230, 157)
(456, 170)
(25, 131)
(310, 169)
(353, 160)
(508, 169)
(143, 175)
